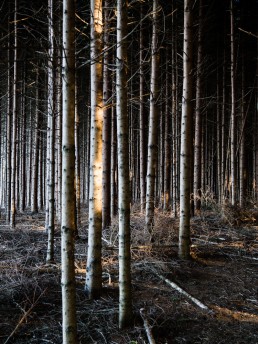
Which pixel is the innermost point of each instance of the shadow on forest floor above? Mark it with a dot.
(222, 275)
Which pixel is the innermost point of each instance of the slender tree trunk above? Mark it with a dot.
(68, 172)
(106, 119)
(175, 121)
(142, 121)
(113, 209)
(153, 123)
(198, 117)
(14, 129)
(77, 159)
(242, 159)
(93, 284)
(167, 144)
(51, 136)
(35, 169)
(125, 297)
(8, 135)
(233, 110)
(186, 136)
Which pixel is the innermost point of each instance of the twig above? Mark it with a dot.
(248, 33)
(182, 291)
(25, 315)
(147, 327)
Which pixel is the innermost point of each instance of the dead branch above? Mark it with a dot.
(182, 291)
(24, 317)
(147, 327)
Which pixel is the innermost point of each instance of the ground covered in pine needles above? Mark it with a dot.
(210, 299)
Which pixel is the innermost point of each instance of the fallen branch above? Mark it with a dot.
(182, 291)
(24, 317)
(147, 327)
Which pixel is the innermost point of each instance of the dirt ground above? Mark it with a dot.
(221, 282)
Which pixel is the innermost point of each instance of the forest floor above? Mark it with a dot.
(222, 275)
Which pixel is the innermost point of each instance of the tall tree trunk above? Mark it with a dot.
(51, 136)
(14, 129)
(93, 284)
(8, 132)
(125, 297)
(186, 136)
(153, 122)
(142, 121)
(113, 185)
(242, 159)
(198, 117)
(106, 119)
(68, 172)
(35, 169)
(167, 143)
(175, 120)
(233, 109)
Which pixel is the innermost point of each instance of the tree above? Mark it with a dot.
(125, 298)
(93, 284)
(198, 116)
(50, 200)
(153, 122)
(68, 174)
(186, 135)
(107, 116)
(233, 109)
(14, 123)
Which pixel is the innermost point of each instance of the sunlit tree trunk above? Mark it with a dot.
(93, 284)
(153, 123)
(125, 297)
(68, 172)
(186, 136)
(106, 118)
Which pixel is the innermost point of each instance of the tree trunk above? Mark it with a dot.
(51, 137)
(198, 118)
(233, 110)
(35, 169)
(68, 172)
(106, 119)
(186, 136)
(142, 122)
(153, 123)
(125, 297)
(14, 129)
(93, 284)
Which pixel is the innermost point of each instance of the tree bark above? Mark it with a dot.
(233, 110)
(186, 136)
(153, 123)
(106, 180)
(50, 225)
(125, 297)
(198, 117)
(68, 172)
(14, 122)
(93, 284)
